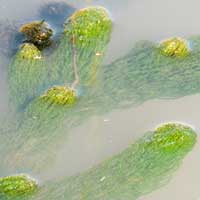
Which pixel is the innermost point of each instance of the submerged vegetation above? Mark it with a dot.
(26, 75)
(144, 74)
(71, 67)
(12, 187)
(144, 166)
(54, 94)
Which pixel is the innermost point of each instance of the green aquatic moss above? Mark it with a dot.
(38, 33)
(27, 75)
(60, 95)
(174, 47)
(16, 186)
(146, 165)
(82, 46)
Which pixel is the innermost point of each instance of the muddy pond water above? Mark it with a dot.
(104, 135)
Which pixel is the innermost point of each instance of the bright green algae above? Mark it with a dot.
(60, 95)
(174, 47)
(17, 186)
(147, 164)
(27, 75)
(83, 44)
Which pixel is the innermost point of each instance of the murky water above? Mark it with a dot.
(102, 136)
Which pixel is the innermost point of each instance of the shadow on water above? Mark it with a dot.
(56, 13)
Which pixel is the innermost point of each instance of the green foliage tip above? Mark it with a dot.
(29, 51)
(88, 25)
(174, 47)
(61, 95)
(17, 185)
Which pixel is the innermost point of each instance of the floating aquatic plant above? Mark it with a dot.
(12, 187)
(38, 33)
(61, 95)
(174, 47)
(146, 165)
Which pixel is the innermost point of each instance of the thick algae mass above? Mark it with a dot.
(144, 166)
(16, 186)
(38, 33)
(175, 47)
(82, 46)
(61, 95)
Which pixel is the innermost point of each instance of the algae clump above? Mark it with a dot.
(144, 166)
(38, 33)
(174, 47)
(12, 187)
(61, 95)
